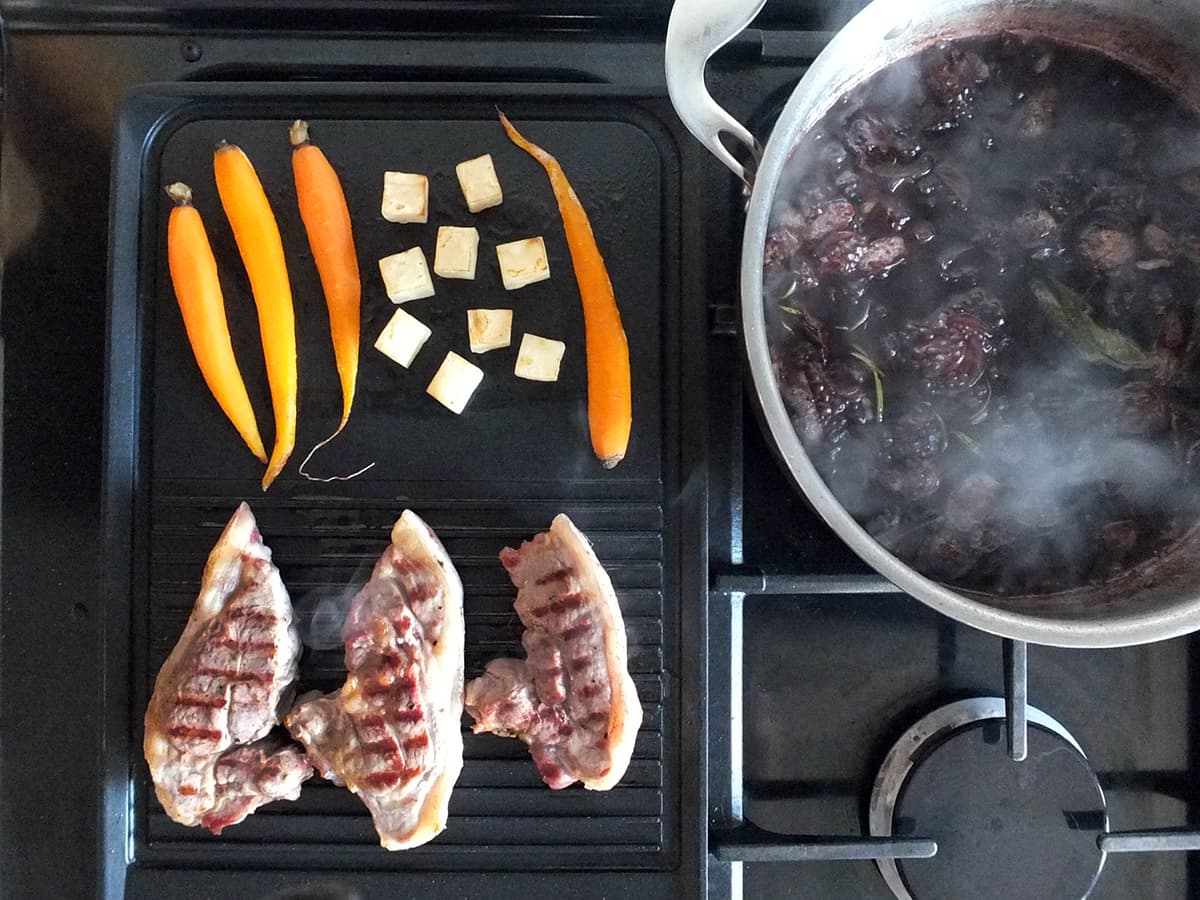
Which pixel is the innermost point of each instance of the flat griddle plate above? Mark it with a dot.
(175, 469)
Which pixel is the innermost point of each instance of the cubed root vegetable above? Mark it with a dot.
(402, 339)
(406, 276)
(489, 329)
(455, 382)
(457, 252)
(539, 358)
(522, 262)
(405, 198)
(480, 186)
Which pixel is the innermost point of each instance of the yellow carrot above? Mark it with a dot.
(198, 290)
(326, 220)
(610, 404)
(257, 235)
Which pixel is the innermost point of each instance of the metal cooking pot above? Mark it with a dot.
(1160, 38)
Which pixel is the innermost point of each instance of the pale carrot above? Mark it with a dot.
(198, 290)
(257, 235)
(326, 220)
(610, 404)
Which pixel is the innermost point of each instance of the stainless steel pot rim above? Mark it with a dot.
(1115, 629)
(1162, 39)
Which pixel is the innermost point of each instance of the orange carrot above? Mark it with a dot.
(198, 290)
(610, 405)
(327, 222)
(257, 236)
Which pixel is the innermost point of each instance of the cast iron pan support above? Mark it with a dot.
(738, 841)
(1016, 695)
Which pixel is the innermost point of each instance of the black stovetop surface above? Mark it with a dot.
(805, 691)
(830, 681)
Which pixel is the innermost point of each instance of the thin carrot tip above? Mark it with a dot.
(180, 193)
(298, 133)
(610, 462)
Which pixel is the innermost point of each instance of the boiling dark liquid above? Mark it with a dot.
(999, 240)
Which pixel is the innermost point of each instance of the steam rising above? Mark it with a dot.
(320, 613)
(1030, 441)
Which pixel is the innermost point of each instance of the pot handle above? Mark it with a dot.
(697, 30)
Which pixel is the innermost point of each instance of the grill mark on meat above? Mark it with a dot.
(235, 643)
(237, 676)
(195, 700)
(368, 730)
(393, 731)
(398, 688)
(218, 693)
(199, 734)
(561, 574)
(580, 630)
(416, 742)
(390, 778)
(383, 746)
(573, 600)
(252, 615)
(559, 605)
(571, 699)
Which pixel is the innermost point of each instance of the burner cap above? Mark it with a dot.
(1004, 829)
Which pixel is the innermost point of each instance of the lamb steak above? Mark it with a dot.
(222, 688)
(571, 699)
(393, 733)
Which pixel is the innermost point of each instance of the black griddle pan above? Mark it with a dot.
(175, 469)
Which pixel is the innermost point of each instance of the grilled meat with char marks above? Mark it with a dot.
(393, 733)
(571, 699)
(221, 689)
